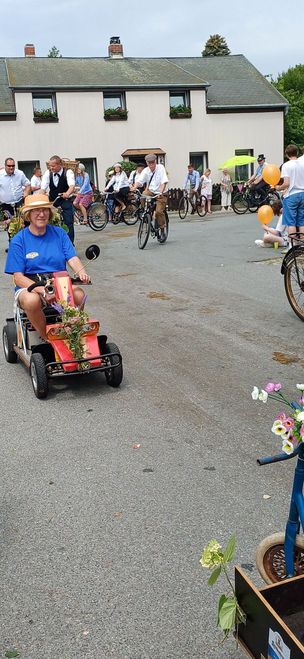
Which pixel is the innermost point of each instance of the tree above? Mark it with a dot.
(215, 45)
(291, 85)
(54, 52)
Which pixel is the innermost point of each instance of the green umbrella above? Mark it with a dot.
(237, 160)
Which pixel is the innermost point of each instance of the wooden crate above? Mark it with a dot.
(275, 615)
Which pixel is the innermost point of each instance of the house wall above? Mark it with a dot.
(83, 132)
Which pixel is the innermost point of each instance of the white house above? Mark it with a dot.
(63, 106)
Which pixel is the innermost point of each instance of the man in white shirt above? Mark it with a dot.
(134, 176)
(155, 178)
(61, 181)
(14, 186)
(293, 184)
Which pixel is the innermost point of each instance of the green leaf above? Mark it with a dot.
(220, 604)
(214, 575)
(229, 551)
(227, 614)
(10, 654)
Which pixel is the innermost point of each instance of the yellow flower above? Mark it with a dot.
(212, 555)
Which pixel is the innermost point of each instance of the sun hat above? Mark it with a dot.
(151, 157)
(38, 200)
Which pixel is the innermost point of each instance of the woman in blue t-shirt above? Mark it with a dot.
(38, 249)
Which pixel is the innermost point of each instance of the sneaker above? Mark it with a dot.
(260, 243)
(223, 210)
(162, 235)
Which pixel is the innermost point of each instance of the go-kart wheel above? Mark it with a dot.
(113, 375)
(9, 336)
(270, 558)
(38, 375)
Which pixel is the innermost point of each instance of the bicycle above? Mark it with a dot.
(128, 215)
(148, 223)
(293, 270)
(96, 216)
(281, 555)
(199, 205)
(250, 200)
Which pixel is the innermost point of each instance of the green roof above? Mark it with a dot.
(231, 81)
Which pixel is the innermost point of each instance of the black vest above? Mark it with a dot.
(61, 187)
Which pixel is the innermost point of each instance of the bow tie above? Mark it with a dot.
(55, 174)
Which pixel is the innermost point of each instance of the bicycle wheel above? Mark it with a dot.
(163, 237)
(270, 558)
(144, 230)
(183, 207)
(130, 215)
(294, 282)
(272, 197)
(97, 216)
(240, 204)
(201, 206)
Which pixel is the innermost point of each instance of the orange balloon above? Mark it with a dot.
(271, 174)
(265, 214)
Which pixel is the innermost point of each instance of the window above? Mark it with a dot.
(44, 107)
(91, 168)
(27, 166)
(179, 99)
(114, 101)
(199, 161)
(243, 172)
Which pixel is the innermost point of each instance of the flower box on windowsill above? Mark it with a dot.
(180, 115)
(122, 116)
(45, 120)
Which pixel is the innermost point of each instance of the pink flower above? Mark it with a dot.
(302, 430)
(282, 417)
(288, 423)
(301, 400)
(270, 387)
(273, 386)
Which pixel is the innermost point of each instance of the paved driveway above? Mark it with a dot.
(100, 538)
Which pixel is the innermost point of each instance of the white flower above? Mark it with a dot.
(277, 428)
(263, 396)
(287, 447)
(300, 416)
(255, 393)
(300, 386)
(285, 434)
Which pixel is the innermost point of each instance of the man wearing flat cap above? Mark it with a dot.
(155, 178)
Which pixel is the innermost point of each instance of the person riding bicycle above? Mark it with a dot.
(192, 183)
(156, 179)
(121, 187)
(38, 249)
(84, 196)
(256, 182)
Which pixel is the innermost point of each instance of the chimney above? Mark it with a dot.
(29, 50)
(115, 49)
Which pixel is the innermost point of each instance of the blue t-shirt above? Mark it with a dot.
(32, 254)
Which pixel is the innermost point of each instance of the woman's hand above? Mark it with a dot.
(84, 277)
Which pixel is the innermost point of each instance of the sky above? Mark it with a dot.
(269, 34)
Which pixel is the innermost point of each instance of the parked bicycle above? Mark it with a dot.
(281, 555)
(148, 223)
(198, 204)
(250, 200)
(293, 270)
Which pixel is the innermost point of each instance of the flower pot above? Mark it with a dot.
(181, 115)
(115, 117)
(45, 120)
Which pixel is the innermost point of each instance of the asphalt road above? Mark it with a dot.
(100, 539)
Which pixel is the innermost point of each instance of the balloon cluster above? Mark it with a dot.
(271, 175)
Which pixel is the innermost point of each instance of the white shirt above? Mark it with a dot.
(45, 183)
(206, 185)
(294, 169)
(11, 187)
(134, 177)
(35, 183)
(118, 181)
(153, 179)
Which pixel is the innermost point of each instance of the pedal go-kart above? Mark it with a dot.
(53, 358)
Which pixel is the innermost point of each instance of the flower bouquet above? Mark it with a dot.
(290, 426)
(74, 323)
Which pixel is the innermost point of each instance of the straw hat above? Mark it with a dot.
(34, 201)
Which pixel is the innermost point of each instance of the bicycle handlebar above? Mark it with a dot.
(280, 457)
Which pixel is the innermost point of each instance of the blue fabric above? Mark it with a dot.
(193, 179)
(293, 210)
(260, 169)
(32, 254)
(84, 184)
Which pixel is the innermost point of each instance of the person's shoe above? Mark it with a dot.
(230, 209)
(223, 210)
(192, 212)
(162, 235)
(260, 243)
